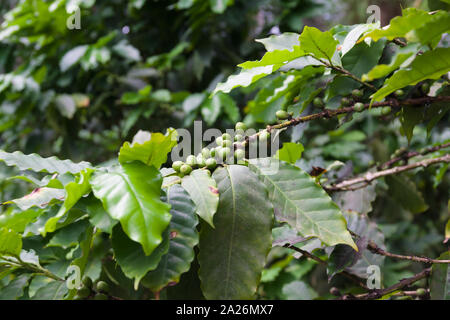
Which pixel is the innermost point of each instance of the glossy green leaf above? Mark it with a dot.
(411, 19)
(98, 216)
(440, 279)
(151, 149)
(40, 197)
(183, 239)
(73, 191)
(55, 290)
(10, 242)
(320, 44)
(36, 163)
(430, 65)
(300, 202)
(401, 59)
(290, 152)
(211, 109)
(18, 220)
(203, 191)
(245, 78)
(15, 288)
(232, 255)
(69, 236)
(131, 258)
(431, 31)
(131, 193)
(353, 36)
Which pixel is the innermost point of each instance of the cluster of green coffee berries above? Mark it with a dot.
(226, 146)
(98, 290)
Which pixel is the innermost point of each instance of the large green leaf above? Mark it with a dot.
(290, 152)
(405, 192)
(300, 202)
(245, 78)
(440, 279)
(359, 200)
(203, 191)
(40, 197)
(18, 220)
(183, 239)
(36, 163)
(431, 31)
(233, 254)
(320, 44)
(431, 65)
(10, 242)
(55, 290)
(131, 193)
(132, 259)
(15, 288)
(399, 26)
(73, 192)
(402, 58)
(149, 148)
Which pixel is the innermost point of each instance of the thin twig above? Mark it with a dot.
(408, 155)
(368, 177)
(379, 293)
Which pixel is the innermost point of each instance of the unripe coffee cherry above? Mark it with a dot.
(200, 161)
(219, 141)
(177, 165)
(399, 93)
(84, 292)
(191, 161)
(421, 292)
(226, 143)
(282, 115)
(239, 154)
(238, 137)
(224, 153)
(185, 169)
(87, 282)
(206, 153)
(226, 136)
(211, 163)
(213, 152)
(102, 286)
(386, 110)
(425, 87)
(318, 102)
(357, 93)
(241, 126)
(358, 107)
(264, 136)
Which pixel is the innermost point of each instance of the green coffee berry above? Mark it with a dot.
(318, 102)
(226, 136)
(421, 292)
(386, 110)
(84, 292)
(219, 141)
(358, 107)
(206, 153)
(282, 115)
(211, 163)
(238, 137)
(213, 152)
(357, 93)
(87, 282)
(241, 126)
(200, 161)
(399, 93)
(191, 161)
(102, 286)
(224, 153)
(177, 165)
(185, 169)
(264, 136)
(239, 154)
(425, 87)
(227, 143)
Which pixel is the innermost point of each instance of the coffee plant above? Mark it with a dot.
(225, 222)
